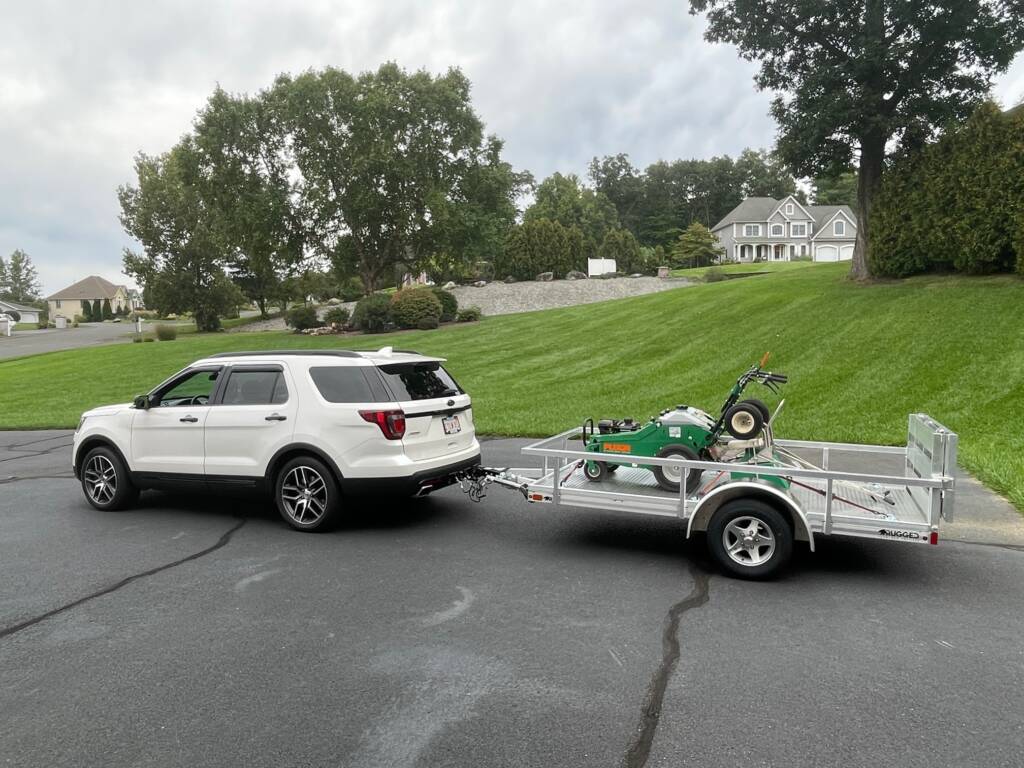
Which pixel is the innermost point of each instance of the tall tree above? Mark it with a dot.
(617, 179)
(852, 75)
(383, 158)
(19, 281)
(565, 200)
(182, 263)
(835, 189)
(764, 174)
(245, 180)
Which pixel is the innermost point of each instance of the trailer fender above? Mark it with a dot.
(779, 499)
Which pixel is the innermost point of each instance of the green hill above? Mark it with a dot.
(859, 357)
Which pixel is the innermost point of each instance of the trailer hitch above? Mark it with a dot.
(474, 481)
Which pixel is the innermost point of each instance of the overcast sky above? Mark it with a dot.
(86, 85)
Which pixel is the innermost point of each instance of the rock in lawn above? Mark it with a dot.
(545, 277)
(479, 283)
(449, 285)
(510, 279)
(574, 275)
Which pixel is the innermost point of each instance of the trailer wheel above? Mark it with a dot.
(595, 471)
(669, 478)
(762, 406)
(744, 421)
(750, 539)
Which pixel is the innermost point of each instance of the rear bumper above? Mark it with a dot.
(417, 484)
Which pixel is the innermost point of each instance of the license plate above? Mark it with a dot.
(451, 425)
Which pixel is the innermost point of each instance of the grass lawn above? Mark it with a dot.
(860, 358)
(747, 267)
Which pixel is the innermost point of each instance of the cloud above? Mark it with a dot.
(85, 86)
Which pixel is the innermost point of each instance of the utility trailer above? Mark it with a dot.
(760, 495)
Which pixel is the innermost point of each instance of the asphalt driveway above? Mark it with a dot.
(194, 632)
(26, 342)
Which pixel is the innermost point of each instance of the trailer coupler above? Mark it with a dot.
(474, 481)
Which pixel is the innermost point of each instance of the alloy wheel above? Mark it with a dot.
(304, 495)
(100, 479)
(748, 541)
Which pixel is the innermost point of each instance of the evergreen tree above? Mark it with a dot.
(108, 313)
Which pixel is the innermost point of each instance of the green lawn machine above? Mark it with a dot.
(684, 431)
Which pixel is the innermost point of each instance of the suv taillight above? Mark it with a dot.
(391, 423)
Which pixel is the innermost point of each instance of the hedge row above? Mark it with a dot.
(957, 205)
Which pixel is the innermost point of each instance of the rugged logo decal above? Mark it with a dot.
(899, 534)
(617, 447)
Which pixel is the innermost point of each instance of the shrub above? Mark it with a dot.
(149, 338)
(14, 314)
(86, 316)
(302, 317)
(714, 275)
(411, 305)
(351, 290)
(136, 339)
(373, 313)
(469, 315)
(449, 304)
(336, 316)
(427, 323)
(166, 332)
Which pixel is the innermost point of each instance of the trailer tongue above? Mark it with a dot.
(757, 496)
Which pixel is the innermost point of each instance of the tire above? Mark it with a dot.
(312, 511)
(611, 468)
(668, 477)
(744, 421)
(595, 471)
(768, 551)
(762, 406)
(106, 483)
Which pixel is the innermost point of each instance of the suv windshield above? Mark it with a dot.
(419, 381)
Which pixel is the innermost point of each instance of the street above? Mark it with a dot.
(203, 631)
(33, 342)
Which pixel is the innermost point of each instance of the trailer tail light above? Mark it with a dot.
(391, 423)
(933, 538)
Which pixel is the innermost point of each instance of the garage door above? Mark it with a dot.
(846, 253)
(826, 253)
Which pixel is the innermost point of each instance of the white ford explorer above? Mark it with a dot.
(313, 427)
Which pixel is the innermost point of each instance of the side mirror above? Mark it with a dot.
(142, 402)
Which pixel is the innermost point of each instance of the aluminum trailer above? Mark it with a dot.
(753, 512)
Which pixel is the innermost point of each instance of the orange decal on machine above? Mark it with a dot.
(617, 448)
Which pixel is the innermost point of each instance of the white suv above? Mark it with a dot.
(311, 426)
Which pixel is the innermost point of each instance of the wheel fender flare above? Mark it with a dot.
(277, 459)
(96, 440)
(710, 503)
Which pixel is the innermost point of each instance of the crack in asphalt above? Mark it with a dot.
(650, 713)
(20, 479)
(33, 454)
(224, 539)
(61, 436)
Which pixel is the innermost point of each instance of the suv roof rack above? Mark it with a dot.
(320, 352)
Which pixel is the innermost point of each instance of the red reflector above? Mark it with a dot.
(934, 538)
(391, 423)
(536, 497)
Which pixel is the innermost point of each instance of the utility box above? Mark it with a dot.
(5, 327)
(598, 267)
(60, 322)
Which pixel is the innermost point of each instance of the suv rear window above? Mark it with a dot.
(419, 381)
(348, 384)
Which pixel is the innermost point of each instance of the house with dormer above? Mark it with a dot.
(766, 229)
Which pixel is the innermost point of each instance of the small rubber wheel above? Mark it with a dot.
(762, 406)
(669, 478)
(105, 480)
(744, 421)
(595, 471)
(750, 539)
(306, 494)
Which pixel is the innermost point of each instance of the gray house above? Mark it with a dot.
(766, 229)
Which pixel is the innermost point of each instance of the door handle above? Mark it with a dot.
(189, 419)
(275, 417)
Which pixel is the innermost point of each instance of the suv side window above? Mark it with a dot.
(255, 387)
(192, 389)
(347, 384)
